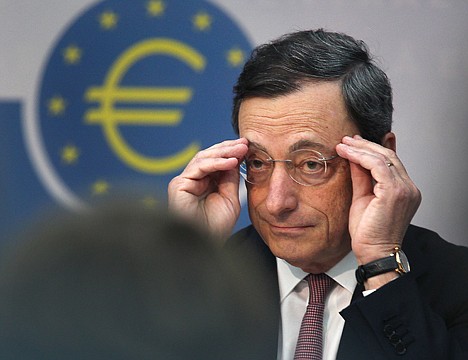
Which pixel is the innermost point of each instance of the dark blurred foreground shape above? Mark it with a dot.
(125, 282)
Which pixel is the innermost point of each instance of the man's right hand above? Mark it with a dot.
(208, 189)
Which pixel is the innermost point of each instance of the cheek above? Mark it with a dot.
(340, 202)
(255, 196)
(333, 200)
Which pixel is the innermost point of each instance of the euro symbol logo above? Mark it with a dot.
(111, 93)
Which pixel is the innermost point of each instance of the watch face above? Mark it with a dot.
(402, 260)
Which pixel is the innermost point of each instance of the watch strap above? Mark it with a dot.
(375, 268)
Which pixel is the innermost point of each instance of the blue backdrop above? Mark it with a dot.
(128, 93)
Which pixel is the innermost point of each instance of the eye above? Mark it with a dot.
(256, 164)
(311, 166)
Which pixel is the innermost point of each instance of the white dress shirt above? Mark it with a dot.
(294, 295)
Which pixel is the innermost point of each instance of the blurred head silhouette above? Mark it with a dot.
(127, 282)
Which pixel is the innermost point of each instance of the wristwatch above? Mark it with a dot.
(397, 261)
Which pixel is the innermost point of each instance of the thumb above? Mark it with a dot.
(362, 181)
(228, 185)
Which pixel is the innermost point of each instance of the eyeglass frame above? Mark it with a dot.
(289, 165)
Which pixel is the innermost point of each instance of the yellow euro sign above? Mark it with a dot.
(111, 93)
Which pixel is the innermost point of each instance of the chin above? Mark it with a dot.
(312, 258)
(292, 252)
(306, 265)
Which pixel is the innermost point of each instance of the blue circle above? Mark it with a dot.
(86, 53)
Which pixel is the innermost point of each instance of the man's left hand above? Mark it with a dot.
(385, 199)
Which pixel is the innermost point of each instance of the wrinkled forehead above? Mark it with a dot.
(315, 117)
(321, 101)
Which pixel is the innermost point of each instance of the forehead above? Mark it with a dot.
(315, 113)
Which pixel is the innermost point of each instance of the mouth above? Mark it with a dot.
(288, 229)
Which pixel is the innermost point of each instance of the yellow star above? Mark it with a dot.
(72, 54)
(235, 57)
(150, 202)
(202, 21)
(155, 7)
(108, 20)
(70, 154)
(56, 105)
(100, 187)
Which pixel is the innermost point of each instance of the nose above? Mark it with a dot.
(282, 192)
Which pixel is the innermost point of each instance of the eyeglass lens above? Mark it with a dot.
(306, 167)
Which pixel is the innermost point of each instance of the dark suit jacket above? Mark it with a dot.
(421, 315)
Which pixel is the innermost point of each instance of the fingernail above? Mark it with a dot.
(358, 137)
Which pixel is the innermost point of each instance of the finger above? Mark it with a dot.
(231, 150)
(230, 142)
(361, 181)
(228, 185)
(386, 154)
(374, 163)
(219, 157)
(225, 148)
(206, 175)
(202, 167)
(389, 179)
(382, 158)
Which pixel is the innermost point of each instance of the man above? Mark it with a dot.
(328, 194)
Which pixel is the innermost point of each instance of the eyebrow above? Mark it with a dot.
(307, 144)
(258, 146)
(301, 144)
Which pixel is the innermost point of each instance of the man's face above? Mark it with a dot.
(305, 225)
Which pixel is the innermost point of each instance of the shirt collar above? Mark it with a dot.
(342, 273)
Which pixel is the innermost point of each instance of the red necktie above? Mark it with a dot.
(309, 344)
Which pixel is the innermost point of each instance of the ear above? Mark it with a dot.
(389, 141)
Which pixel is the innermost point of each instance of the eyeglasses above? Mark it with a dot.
(306, 167)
